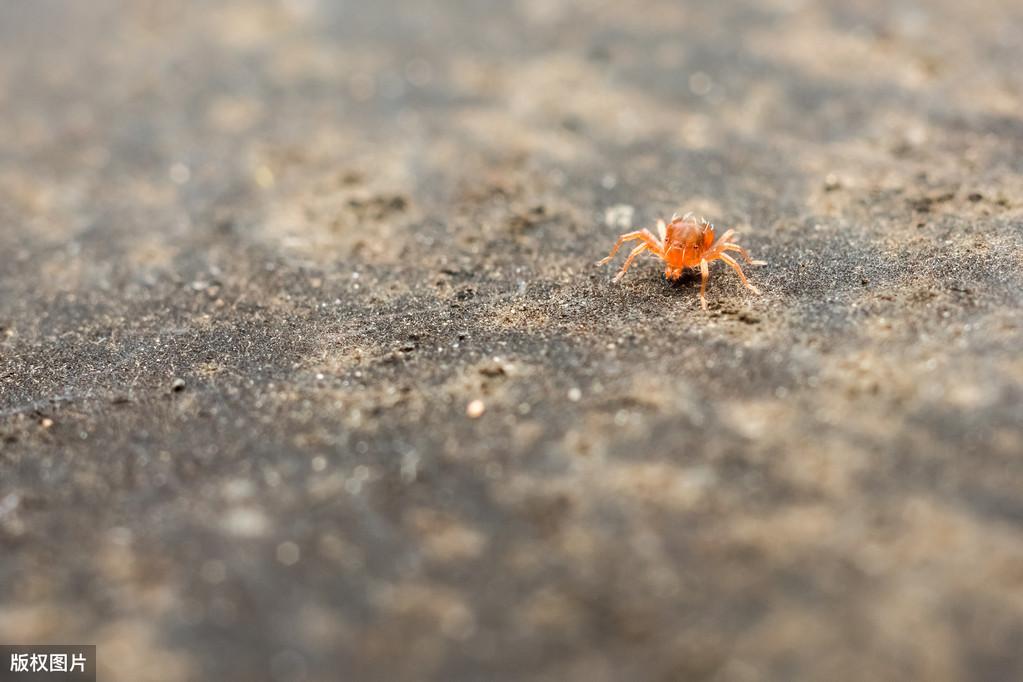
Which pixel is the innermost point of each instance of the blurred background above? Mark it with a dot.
(306, 372)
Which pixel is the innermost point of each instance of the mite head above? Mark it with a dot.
(685, 239)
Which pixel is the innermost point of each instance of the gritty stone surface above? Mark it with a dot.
(257, 258)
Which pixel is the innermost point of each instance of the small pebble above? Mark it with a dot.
(213, 571)
(288, 553)
(263, 176)
(700, 83)
(619, 216)
(179, 173)
(574, 394)
(178, 385)
(475, 409)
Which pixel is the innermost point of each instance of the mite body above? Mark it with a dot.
(685, 243)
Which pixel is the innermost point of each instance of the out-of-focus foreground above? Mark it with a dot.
(259, 262)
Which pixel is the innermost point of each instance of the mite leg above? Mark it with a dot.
(628, 261)
(738, 270)
(732, 246)
(723, 239)
(704, 274)
(648, 238)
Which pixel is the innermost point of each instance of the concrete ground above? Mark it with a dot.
(306, 372)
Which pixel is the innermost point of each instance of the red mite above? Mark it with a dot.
(685, 243)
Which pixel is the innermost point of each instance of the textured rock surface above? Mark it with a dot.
(260, 262)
